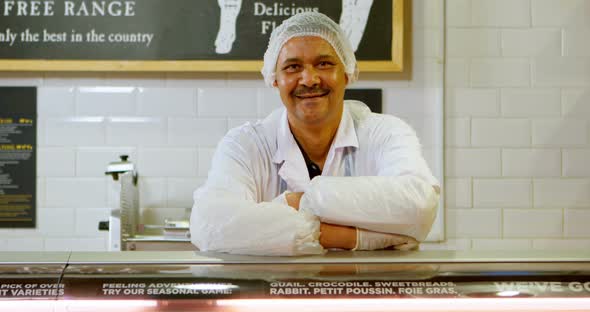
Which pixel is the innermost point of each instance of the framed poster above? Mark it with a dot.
(181, 35)
(371, 97)
(18, 157)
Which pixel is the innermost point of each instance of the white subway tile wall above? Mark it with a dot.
(560, 13)
(168, 162)
(56, 222)
(73, 131)
(205, 156)
(105, 101)
(427, 42)
(531, 42)
(560, 132)
(75, 244)
(227, 102)
(180, 102)
(22, 244)
(75, 192)
(469, 102)
(56, 162)
(564, 71)
(576, 42)
(474, 223)
(466, 42)
(517, 106)
(495, 193)
(524, 162)
(500, 72)
(58, 101)
(575, 163)
(500, 13)
(473, 162)
(556, 245)
(153, 192)
(518, 83)
(457, 72)
(449, 244)
(574, 103)
(531, 102)
(576, 223)
(458, 192)
(196, 131)
(457, 132)
(458, 13)
(507, 244)
(529, 223)
(427, 13)
(565, 192)
(500, 132)
(130, 131)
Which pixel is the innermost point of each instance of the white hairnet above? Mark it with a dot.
(309, 24)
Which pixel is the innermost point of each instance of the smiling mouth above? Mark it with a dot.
(312, 95)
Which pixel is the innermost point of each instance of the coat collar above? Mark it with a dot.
(287, 149)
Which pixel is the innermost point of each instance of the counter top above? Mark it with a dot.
(337, 257)
(57, 258)
(157, 238)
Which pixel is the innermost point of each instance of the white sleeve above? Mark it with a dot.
(226, 217)
(401, 199)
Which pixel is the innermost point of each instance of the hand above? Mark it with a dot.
(369, 240)
(337, 236)
(293, 199)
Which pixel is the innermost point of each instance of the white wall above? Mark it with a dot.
(517, 133)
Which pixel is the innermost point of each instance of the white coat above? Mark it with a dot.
(374, 177)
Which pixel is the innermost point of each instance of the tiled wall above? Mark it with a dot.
(517, 130)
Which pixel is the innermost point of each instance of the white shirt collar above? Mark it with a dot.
(287, 148)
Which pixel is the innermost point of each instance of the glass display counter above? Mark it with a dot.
(337, 281)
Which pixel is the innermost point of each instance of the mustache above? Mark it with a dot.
(303, 90)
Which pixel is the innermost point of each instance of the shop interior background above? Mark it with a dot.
(516, 82)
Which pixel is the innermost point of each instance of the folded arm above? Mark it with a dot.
(400, 199)
(348, 237)
(227, 218)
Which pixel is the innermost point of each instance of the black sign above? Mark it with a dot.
(203, 288)
(30, 288)
(371, 97)
(162, 288)
(212, 288)
(18, 139)
(294, 281)
(176, 29)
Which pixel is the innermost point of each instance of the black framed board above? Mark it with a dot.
(18, 157)
(373, 98)
(181, 35)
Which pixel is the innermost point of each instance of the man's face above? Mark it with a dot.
(311, 81)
